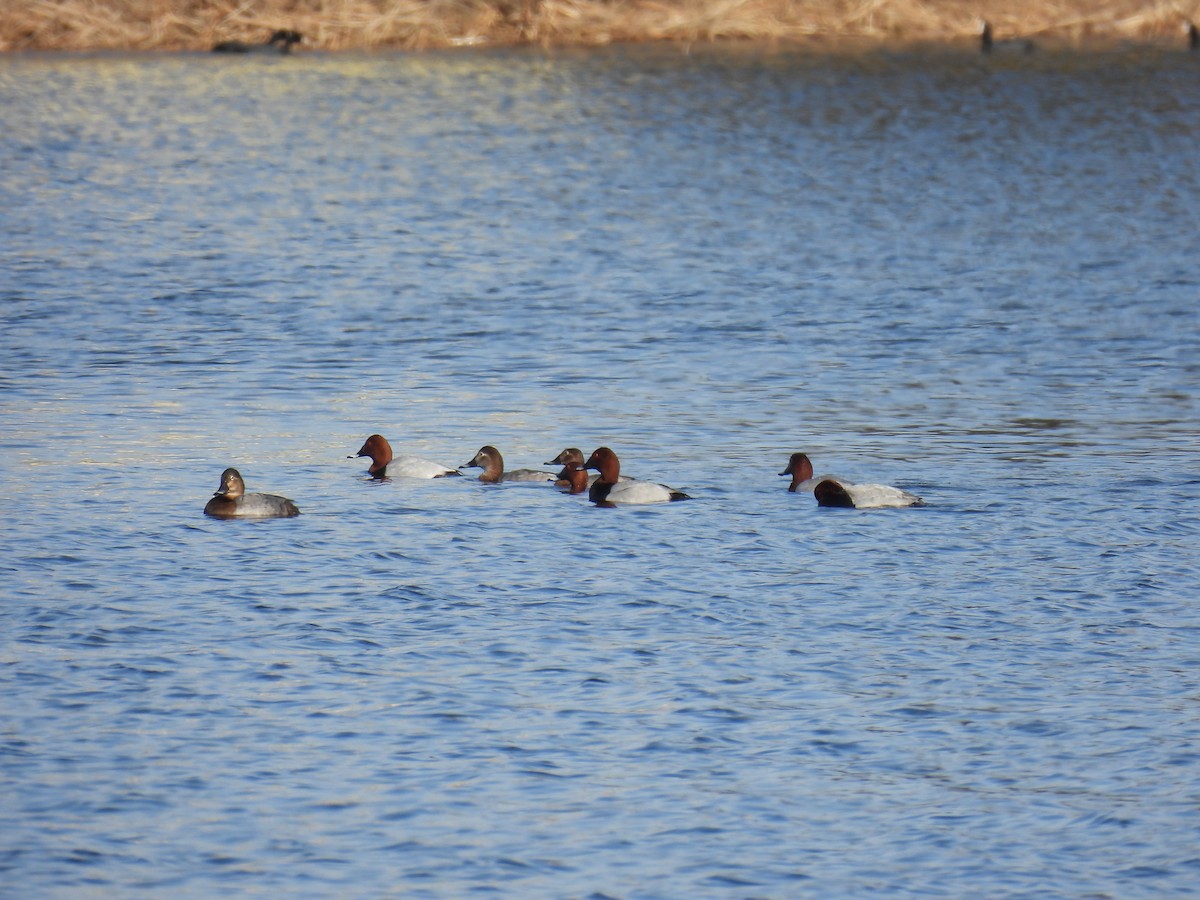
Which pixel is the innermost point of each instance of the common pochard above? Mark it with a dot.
(863, 496)
(610, 490)
(232, 502)
(385, 465)
(575, 479)
(833, 491)
(564, 479)
(489, 459)
(800, 468)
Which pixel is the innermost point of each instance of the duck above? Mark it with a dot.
(571, 460)
(800, 468)
(574, 478)
(1009, 45)
(385, 465)
(610, 490)
(832, 492)
(232, 502)
(565, 459)
(280, 42)
(489, 459)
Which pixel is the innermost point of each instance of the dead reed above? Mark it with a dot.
(369, 24)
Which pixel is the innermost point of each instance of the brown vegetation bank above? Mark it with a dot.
(375, 24)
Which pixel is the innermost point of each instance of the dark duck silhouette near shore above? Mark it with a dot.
(281, 42)
(988, 44)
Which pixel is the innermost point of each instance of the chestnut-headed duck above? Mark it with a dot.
(385, 465)
(863, 496)
(987, 44)
(800, 468)
(232, 502)
(489, 459)
(574, 478)
(564, 478)
(280, 43)
(572, 455)
(610, 490)
(831, 490)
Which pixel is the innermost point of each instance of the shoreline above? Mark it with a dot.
(332, 25)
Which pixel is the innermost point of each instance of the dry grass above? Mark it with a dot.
(366, 24)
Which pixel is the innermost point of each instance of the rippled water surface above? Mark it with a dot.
(975, 279)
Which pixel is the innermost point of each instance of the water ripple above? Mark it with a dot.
(706, 260)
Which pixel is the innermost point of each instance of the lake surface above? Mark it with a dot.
(974, 279)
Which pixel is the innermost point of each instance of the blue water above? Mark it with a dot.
(973, 279)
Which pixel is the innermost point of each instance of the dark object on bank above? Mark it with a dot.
(1009, 45)
(281, 42)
